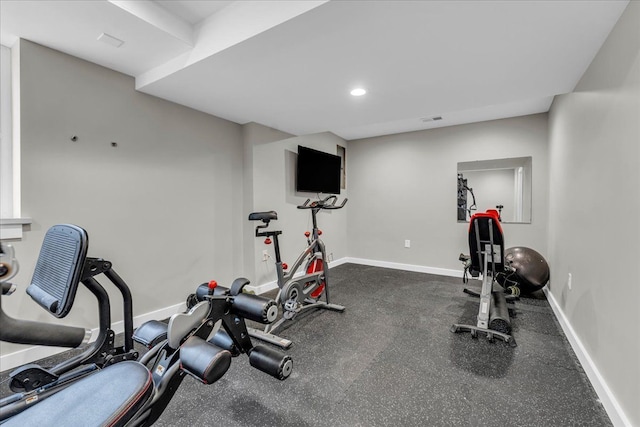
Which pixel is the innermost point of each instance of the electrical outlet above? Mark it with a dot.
(569, 281)
(330, 256)
(265, 256)
(407, 243)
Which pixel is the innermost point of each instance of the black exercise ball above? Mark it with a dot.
(530, 268)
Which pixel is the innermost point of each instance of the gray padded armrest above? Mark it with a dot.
(59, 268)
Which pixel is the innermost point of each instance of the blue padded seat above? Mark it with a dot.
(110, 397)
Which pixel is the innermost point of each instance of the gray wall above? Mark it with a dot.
(253, 134)
(404, 187)
(274, 189)
(493, 188)
(593, 209)
(163, 205)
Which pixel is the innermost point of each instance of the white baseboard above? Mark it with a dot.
(261, 289)
(31, 354)
(611, 405)
(406, 267)
(269, 286)
(266, 287)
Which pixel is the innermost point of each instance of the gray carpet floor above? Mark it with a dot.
(391, 360)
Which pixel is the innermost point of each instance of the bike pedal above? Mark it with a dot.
(290, 309)
(291, 305)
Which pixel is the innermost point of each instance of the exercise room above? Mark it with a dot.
(319, 213)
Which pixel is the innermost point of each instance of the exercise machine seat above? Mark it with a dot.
(485, 229)
(263, 216)
(110, 397)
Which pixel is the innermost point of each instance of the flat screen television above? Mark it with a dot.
(317, 171)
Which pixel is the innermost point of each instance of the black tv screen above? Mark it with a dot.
(317, 171)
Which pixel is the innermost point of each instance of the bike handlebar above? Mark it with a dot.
(328, 202)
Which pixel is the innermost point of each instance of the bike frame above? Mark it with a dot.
(289, 282)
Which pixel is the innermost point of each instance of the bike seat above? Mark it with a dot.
(263, 216)
(110, 397)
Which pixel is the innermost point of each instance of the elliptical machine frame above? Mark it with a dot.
(298, 293)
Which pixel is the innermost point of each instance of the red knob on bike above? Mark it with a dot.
(284, 266)
(307, 234)
(212, 286)
(319, 232)
(267, 241)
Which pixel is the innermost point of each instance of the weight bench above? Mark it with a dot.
(63, 264)
(91, 389)
(486, 246)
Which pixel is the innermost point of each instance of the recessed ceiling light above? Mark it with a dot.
(358, 92)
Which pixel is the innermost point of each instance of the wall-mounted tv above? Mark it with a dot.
(317, 171)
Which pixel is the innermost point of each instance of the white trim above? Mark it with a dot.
(261, 289)
(31, 354)
(10, 231)
(407, 267)
(519, 193)
(11, 228)
(269, 286)
(16, 130)
(611, 405)
(159, 17)
(266, 287)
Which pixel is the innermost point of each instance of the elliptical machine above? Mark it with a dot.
(297, 292)
(129, 392)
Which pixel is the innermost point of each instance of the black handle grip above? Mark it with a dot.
(340, 206)
(255, 307)
(328, 202)
(8, 288)
(37, 333)
(271, 361)
(325, 201)
(305, 205)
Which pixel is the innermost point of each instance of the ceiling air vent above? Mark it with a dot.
(431, 119)
(109, 39)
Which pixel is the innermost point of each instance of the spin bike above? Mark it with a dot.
(128, 392)
(298, 292)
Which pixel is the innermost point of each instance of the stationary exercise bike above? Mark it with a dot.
(298, 292)
(128, 392)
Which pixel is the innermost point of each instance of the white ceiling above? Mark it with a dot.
(291, 64)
